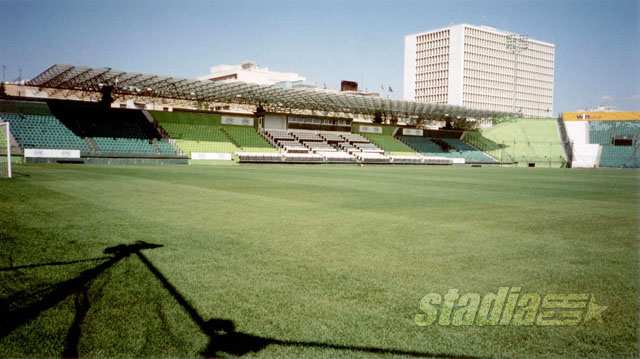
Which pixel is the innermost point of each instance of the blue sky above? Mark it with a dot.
(597, 42)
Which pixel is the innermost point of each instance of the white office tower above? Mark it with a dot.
(475, 67)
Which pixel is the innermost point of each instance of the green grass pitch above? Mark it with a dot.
(308, 261)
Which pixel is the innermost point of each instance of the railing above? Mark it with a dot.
(566, 144)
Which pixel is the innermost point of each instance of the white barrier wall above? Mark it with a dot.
(585, 155)
(577, 131)
(275, 122)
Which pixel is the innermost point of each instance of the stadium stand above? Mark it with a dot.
(617, 156)
(25, 107)
(195, 132)
(353, 138)
(626, 129)
(110, 130)
(390, 145)
(86, 127)
(635, 159)
(259, 157)
(521, 140)
(343, 147)
(164, 146)
(43, 131)
(87, 120)
(446, 147)
(468, 152)
(600, 132)
(303, 157)
(123, 145)
(426, 146)
(247, 139)
(189, 146)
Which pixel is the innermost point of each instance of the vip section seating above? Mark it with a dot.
(329, 146)
(307, 136)
(372, 157)
(353, 138)
(43, 131)
(332, 137)
(303, 157)
(337, 156)
(368, 147)
(259, 157)
(319, 146)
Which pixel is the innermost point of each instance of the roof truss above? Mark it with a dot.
(272, 98)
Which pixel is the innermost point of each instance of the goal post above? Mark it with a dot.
(5, 150)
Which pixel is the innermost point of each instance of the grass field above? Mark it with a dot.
(308, 261)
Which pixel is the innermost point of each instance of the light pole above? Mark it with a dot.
(516, 44)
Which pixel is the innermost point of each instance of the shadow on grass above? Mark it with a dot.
(14, 318)
(224, 340)
(7, 269)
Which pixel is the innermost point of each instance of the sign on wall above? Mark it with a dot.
(601, 116)
(238, 121)
(210, 156)
(50, 153)
(412, 132)
(371, 129)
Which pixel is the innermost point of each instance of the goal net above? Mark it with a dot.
(5, 150)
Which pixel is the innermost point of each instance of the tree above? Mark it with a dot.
(377, 117)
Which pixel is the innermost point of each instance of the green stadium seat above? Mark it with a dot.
(600, 132)
(390, 145)
(40, 131)
(617, 156)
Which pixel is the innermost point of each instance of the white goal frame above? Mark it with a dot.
(4, 127)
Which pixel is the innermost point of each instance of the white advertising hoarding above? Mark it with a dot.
(411, 132)
(210, 156)
(51, 153)
(371, 129)
(238, 121)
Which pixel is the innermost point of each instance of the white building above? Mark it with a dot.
(250, 72)
(471, 66)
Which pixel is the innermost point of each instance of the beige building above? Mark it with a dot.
(250, 72)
